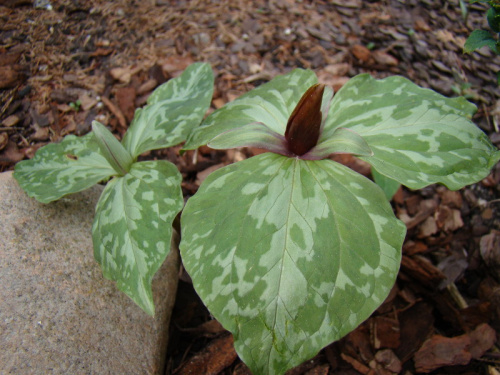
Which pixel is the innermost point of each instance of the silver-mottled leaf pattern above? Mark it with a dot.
(133, 226)
(58, 169)
(173, 110)
(270, 104)
(418, 136)
(289, 254)
(388, 185)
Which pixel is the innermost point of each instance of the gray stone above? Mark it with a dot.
(58, 315)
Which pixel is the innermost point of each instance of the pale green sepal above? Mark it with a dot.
(112, 149)
(271, 104)
(173, 110)
(251, 135)
(343, 141)
(133, 226)
(309, 251)
(58, 169)
(388, 185)
(418, 137)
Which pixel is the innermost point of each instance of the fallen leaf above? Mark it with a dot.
(12, 120)
(489, 247)
(11, 153)
(428, 228)
(8, 77)
(218, 103)
(125, 97)
(453, 267)
(318, 370)
(482, 339)
(361, 53)
(440, 351)
(421, 25)
(383, 58)
(41, 134)
(87, 102)
(416, 323)
(384, 332)
(4, 139)
(147, 86)
(452, 199)
(212, 359)
(388, 360)
(358, 366)
(448, 219)
(200, 177)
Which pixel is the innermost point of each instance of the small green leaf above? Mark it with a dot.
(58, 169)
(308, 252)
(270, 104)
(478, 39)
(418, 137)
(133, 227)
(173, 110)
(112, 149)
(388, 185)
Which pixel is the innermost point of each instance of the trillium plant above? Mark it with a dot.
(290, 250)
(133, 220)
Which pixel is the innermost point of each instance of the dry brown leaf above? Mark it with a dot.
(4, 139)
(125, 97)
(8, 77)
(383, 58)
(490, 252)
(12, 120)
(361, 53)
(440, 351)
(358, 366)
(11, 153)
(388, 360)
(212, 359)
(482, 339)
(200, 177)
(384, 332)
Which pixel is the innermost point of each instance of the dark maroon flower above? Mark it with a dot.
(304, 125)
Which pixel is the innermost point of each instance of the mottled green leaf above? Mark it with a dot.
(112, 149)
(271, 104)
(289, 254)
(388, 185)
(132, 227)
(418, 137)
(173, 110)
(73, 165)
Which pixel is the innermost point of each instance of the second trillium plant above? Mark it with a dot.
(133, 221)
(290, 250)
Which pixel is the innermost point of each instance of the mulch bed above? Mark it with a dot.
(66, 63)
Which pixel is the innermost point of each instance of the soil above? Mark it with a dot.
(66, 63)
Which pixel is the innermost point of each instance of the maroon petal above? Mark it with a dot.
(303, 127)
